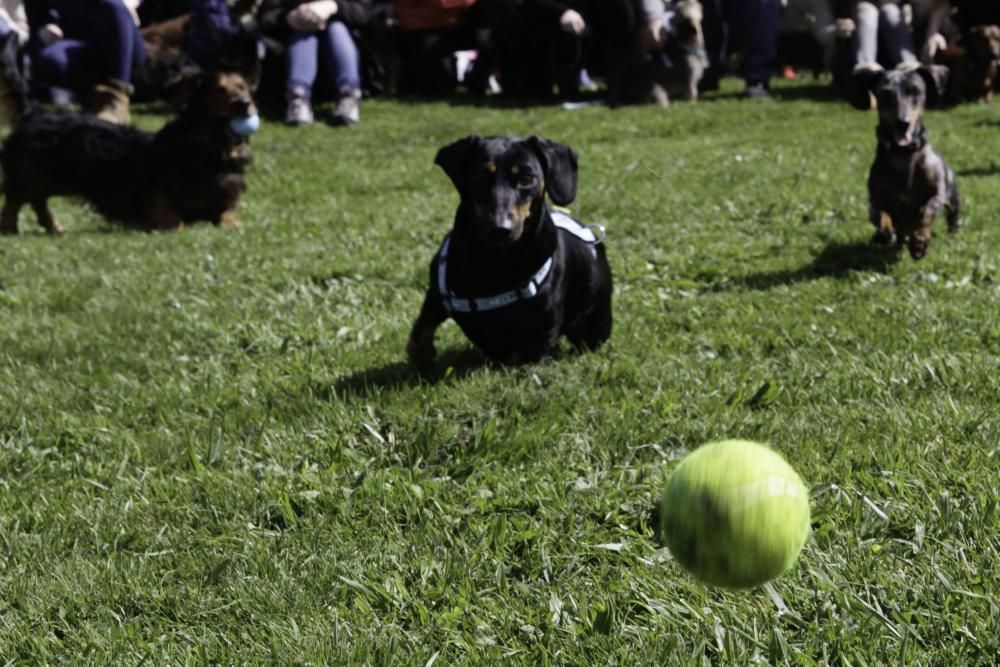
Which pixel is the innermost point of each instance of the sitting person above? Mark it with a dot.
(13, 19)
(880, 35)
(538, 44)
(89, 47)
(431, 31)
(319, 32)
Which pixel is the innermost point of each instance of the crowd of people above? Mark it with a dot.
(90, 52)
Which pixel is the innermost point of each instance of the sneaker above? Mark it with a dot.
(348, 111)
(299, 111)
(757, 90)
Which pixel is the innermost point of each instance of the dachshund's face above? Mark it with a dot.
(503, 180)
(225, 95)
(504, 188)
(902, 97)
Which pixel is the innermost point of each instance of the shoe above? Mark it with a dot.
(299, 111)
(110, 102)
(757, 90)
(348, 111)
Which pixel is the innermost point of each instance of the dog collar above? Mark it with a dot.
(454, 304)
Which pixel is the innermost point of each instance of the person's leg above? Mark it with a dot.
(894, 36)
(4, 28)
(428, 67)
(340, 57)
(63, 69)
(716, 32)
(760, 43)
(866, 31)
(616, 33)
(343, 65)
(301, 66)
(117, 39)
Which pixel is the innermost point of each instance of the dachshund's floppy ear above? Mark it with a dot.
(936, 78)
(559, 163)
(862, 84)
(453, 158)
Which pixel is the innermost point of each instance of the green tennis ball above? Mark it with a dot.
(735, 514)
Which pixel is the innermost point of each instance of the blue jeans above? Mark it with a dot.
(340, 58)
(881, 35)
(111, 50)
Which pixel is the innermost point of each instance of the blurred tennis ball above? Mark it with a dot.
(735, 514)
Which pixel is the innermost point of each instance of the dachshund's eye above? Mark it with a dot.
(526, 180)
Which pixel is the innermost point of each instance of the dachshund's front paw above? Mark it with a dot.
(918, 247)
(884, 237)
(420, 352)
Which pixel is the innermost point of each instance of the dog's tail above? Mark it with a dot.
(15, 101)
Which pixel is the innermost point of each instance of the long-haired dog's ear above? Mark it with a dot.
(183, 88)
(453, 158)
(559, 163)
(936, 78)
(861, 86)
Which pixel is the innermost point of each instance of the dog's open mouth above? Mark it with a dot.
(904, 131)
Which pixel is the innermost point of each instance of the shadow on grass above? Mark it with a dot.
(817, 91)
(992, 170)
(450, 364)
(835, 260)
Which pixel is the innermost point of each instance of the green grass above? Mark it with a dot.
(212, 448)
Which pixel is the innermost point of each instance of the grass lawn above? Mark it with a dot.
(212, 448)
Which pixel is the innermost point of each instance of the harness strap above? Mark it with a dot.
(454, 304)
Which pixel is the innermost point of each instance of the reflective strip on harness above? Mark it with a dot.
(456, 304)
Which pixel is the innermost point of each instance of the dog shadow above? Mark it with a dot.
(835, 260)
(449, 365)
(992, 170)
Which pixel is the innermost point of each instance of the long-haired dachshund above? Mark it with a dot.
(513, 274)
(192, 169)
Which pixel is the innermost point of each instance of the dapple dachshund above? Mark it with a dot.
(909, 183)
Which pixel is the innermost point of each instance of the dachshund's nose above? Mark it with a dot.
(243, 105)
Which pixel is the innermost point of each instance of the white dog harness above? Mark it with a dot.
(590, 234)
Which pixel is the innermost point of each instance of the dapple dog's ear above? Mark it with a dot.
(453, 158)
(559, 163)
(936, 78)
(862, 84)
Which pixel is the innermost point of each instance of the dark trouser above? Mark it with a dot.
(111, 49)
(978, 12)
(716, 33)
(428, 67)
(532, 53)
(753, 27)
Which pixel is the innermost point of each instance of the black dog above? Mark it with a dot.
(190, 170)
(513, 274)
(909, 183)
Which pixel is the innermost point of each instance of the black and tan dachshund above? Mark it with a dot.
(192, 169)
(513, 274)
(909, 183)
